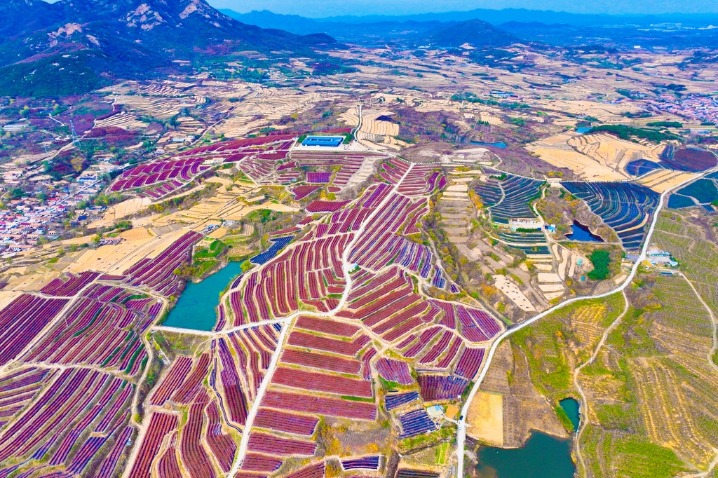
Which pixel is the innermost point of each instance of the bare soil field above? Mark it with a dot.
(486, 418)
(663, 180)
(593, 157)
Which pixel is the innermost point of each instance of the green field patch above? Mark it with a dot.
(352, 398)
(601, 261)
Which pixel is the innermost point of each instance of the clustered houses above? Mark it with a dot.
(693, 107)
(41, 211)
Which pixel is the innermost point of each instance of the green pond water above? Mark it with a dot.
(196, 307)
(543, 456)
(571, 407)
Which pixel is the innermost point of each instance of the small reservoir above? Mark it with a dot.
(582, 233)
(571, 407)
(543, 455)
(196, 307)
(498, 144)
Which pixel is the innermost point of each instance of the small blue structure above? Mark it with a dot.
(325, 141)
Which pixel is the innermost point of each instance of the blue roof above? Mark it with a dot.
(329, 141)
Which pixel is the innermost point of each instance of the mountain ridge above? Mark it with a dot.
(106, 40)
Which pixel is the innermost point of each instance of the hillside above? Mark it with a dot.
(475, 32)
(74, 46)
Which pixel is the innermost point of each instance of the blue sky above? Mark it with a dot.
(323, 8)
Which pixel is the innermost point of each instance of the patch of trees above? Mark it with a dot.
(601, 261)
(630, 132)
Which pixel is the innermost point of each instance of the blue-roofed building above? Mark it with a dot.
(324, 141)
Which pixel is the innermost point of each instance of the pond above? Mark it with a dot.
(498, 144)
(583, 129)
(571, 407)
(582, 233)
(542, 456)
(196, 307)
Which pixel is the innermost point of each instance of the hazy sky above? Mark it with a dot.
(323, 8)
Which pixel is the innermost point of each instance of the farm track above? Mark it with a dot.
(62, 315)
(714, 324)
(461, 431)
(577, 372)
(289, 321)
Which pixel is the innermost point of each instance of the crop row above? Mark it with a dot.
(387, 303)
(393, 401)
(415, 423)
(393, 169)
(381, 244)
(312, 404)
(321, 382)
(509, 196)
(286, 422)
(99, 332)
(441, 387)
(158, 273)
(244, 357)
(54, 427)
(394, 371)
(69, 286)
(309, 272)
(346, 164)
(422, 180)
(22, 320)
(141, 176)
(625, 207)
(182, 382)
(474, 324)
(363, 463)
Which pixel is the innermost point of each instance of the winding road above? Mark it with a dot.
(461, 431)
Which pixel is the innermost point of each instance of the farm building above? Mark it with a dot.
(323, 141)
(525, 223)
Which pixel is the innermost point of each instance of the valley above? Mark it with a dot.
(273, 254)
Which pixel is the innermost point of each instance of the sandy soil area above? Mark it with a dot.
(662, 180)
(122, 210)
(8, 296)
(486, 418)
(138, 244)
(593, 157)
(512, 291)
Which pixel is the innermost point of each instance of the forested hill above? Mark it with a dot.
(74, 46)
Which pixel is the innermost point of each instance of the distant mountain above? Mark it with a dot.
(291, 23)
(548, 27)
(379, 30)
(73, 46)
(18, 16)
(523, 15)
(476, 33)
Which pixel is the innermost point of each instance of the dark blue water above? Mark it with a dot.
(582, 233)
(583, 129)
(498, 144)
(196, 307)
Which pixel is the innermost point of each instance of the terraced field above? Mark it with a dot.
(703, 192)
(508, 196)
(625, 207)
(649, 388)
